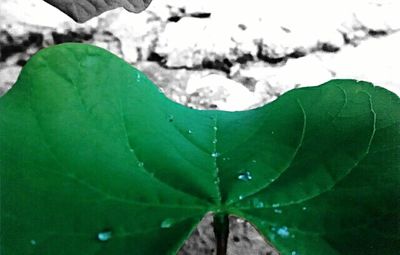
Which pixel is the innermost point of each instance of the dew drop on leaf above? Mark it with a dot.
(215, 154)
(294, 253)
(215, 128)
(283, 232)
(278, 211)
(167, 223)
(214, 141)
(254, 161)
(257, 203)
(140, 164)
(304, 208)
(33, 242)
(190, 131)
(275, 205)
(244, 176)
(104, 236)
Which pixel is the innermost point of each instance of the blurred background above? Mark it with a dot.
(222, 54)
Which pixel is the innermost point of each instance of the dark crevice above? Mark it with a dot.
(245, 58)
(270, 59)
(346, 38)
(242, 26)
(217, 64)
(155, 57)
(174, 18)
(377, 33)
(298, 53)
(71, 36)
(328, 47)
(178, 16)
(21, 62)
(182, 10)
(13, 45)
(287, 30)
(201, 15)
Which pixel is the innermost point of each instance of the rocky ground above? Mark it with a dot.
(222, 54)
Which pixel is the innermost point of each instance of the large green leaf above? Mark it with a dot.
(83, 10)
(95, 160)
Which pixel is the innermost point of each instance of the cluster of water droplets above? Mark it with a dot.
(257, 203)
(277, 210)
(245, 176)
(215, 154)
(283, 232)
(104, 236)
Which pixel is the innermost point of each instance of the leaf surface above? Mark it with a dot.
(83, 10)
(96, 160)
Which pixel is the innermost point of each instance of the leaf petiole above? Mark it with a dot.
(221, 232)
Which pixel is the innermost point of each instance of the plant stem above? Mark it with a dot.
(221, 232)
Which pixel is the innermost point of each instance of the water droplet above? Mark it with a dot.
(227, 158)
(304, 208)
(275, 205)
(33, 242)
(294, 253)
(241, 197)
(258, 203)
(215, 128)
(283, 232)
(254, 161)
(140, 164)
(215, 154)
(214, 141)
(244, 176)
(137, 77)
(272, 132)
(104, 236)
(278, 211)
(190, 131)
(167, 223)
(161, 90)
(171, 118)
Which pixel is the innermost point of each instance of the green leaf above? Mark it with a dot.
(95, 160)
(83, 10)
